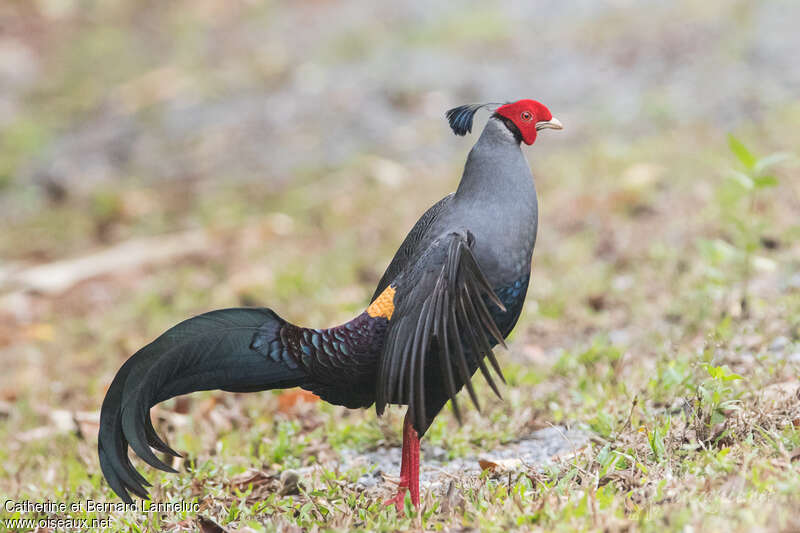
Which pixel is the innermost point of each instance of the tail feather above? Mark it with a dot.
(226, 349)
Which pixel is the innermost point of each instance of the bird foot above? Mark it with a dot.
(399, 499)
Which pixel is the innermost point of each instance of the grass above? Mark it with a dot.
(663, 315)
(692, 401)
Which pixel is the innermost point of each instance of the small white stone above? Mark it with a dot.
(778, 344)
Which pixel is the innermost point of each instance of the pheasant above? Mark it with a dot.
(452, 292)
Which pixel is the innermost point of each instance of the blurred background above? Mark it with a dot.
(158, 159)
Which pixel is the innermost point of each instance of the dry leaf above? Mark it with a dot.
(40, 332)
(780, 392)
(500, 465)
(251, 477)
(182, 404)
(288, 399)
(206, 525)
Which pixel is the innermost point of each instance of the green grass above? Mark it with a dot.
(663, 315)
(644, 341)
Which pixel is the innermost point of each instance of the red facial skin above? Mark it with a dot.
(525, 114)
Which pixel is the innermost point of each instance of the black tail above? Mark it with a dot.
(237, 350)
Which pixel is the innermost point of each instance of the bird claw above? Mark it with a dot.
(399, 500)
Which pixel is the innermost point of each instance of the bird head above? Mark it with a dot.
(524, 118)
(529, 116)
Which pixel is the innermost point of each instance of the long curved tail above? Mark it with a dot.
(236, 350)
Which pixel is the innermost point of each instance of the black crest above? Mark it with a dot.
(460, 117)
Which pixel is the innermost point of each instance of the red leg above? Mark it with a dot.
(409, 468)
(413, 461)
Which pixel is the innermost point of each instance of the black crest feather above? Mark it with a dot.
(460, 118)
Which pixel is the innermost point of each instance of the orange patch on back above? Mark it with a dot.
(383, 305)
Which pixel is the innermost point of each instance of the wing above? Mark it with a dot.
(442, 297)
(406, 251)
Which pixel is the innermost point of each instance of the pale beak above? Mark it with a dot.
(553, 124)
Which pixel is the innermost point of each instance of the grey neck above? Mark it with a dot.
(496, 200)
(496, 169)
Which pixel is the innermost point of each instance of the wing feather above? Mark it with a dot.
(440, 331)
(461, 361)
(491, 327)
(479, 345)
(443, 298)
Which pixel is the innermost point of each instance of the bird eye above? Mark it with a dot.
(526, 115)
